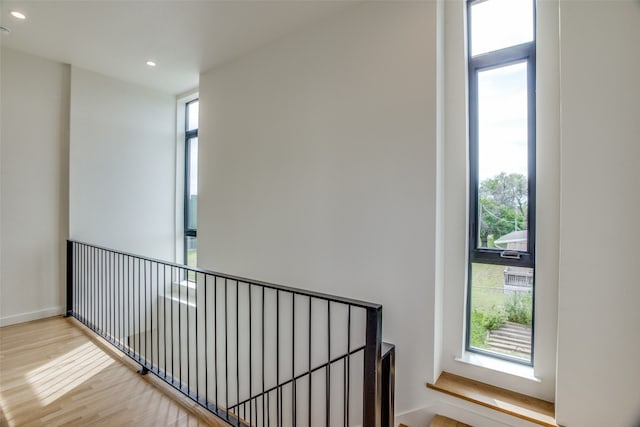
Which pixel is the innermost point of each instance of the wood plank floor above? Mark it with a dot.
(53, 373)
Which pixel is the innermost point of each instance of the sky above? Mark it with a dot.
(502, 92)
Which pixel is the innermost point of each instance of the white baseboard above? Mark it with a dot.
(32, 315)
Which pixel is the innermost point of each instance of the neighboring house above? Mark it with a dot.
(516, 278)
(516, 241)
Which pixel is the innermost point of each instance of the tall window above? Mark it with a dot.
(501, 46)
(191, 183)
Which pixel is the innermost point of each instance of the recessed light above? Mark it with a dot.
(18, 15)
(150, 63)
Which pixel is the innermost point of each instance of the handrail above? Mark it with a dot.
(314, 294)
(252, 352)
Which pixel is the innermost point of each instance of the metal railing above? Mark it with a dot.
(253, 353)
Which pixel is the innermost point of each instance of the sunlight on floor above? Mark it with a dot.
(61, 375)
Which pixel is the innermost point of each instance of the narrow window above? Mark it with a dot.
(191, 184)
(500, 296)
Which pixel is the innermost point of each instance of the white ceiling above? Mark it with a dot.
(184, 37)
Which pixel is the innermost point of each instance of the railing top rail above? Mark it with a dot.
(304, 292)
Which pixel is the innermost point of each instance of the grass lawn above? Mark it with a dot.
(487, 286)
(192, 257)
(488, 300)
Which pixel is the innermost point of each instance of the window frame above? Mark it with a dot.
(189, 135)
(525, 52)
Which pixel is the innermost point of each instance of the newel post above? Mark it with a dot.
(69, 311)
(373, 368)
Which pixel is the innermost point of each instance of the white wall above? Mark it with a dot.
(599, 342)
(122, 165)
(33, 186)
(318, 169)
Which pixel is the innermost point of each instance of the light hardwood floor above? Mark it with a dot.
(54, 373)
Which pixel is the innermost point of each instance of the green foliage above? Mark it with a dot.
(478, 333)
(519, 308)
(481, 322)
(506, 190)
(503, 206)
(494, 319)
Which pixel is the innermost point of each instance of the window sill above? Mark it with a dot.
(499, 399)
(499, 365)
(182, 292)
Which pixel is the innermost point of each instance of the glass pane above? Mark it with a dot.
(501, 310)
(191, 244)
(503, 158)
(192, 185)
(192, 115)
(496, 24)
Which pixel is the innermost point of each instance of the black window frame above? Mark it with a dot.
(525, 52)
(189, 136)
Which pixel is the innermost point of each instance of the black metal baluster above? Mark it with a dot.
(226, 350)
(164, 316)
(250, 358)
(328, 370)
(98, 300)
(100, 295)
(215, 334)
(186, 280)
(122, 303)
(94, 287)
(157, 316)
(262, 345)
(173, 377)
(146, 311)
(348, 369)
(129, 304)
(150, 354)
(139, 350)
(80, 282)
(85, 280)
(180, 273)
(71, 277)
(87, 283)
(196, 321)
(238, 346)
(206, 345)
(103, 293)
(94, 290)
(278, 389)
(114, 296)
(310, 373)
(293, 359)
(107, 313)
(83, 299)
